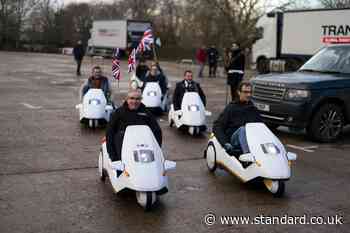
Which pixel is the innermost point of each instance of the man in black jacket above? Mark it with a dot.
(184, 86)
(132, 112)
(142, 69)
(213, 56)
(78, 52)
(235, 69)
(229, 128)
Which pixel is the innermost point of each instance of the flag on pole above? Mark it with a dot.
(116, 65)
(146, 41)
(132, 61)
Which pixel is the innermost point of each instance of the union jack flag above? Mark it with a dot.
(146, 41)
(116, 65)
(132, 61)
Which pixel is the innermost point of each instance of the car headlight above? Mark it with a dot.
(294, 94)
(270, 148)
(144, 156)
(94, 102)
(193, 108)
(152, 93)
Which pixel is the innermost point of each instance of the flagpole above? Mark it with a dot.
(155, 58)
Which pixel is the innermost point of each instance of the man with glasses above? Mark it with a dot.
(229, 128)
(184, 86)
(132, 112)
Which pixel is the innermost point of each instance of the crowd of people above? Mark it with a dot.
(229, 127)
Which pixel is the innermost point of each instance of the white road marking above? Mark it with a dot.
(31, 106)
(306, 149)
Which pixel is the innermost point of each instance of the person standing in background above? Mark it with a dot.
(235, 66)
(78, 52)
(201, 57)
(213, 56)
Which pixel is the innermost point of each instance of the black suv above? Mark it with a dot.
(316, 97)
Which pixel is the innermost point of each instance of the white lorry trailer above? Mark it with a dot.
(109, 34)
(287, 39)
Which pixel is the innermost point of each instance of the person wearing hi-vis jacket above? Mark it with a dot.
(235, 68)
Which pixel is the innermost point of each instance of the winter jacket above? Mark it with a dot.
(213, 55)
(237, 63)
(159, 78)
(183, 87)
(100, 83)
(78, 52)
(201, 55)
(141, 72)
(120, 120)
(235, 115)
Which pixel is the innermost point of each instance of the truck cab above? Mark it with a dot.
(316, 97)
(288, 38)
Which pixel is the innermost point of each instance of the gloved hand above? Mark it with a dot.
(228, 148)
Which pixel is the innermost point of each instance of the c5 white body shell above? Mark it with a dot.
(192, 114)
(267, 159)
(143, 167)
(94, 108)
(152, 97)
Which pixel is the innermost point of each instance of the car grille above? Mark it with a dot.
(268, 92)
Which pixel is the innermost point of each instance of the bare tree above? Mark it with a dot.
(140, 9)
(239, 18)
(335, 3)
(78, 20)
(13, 14)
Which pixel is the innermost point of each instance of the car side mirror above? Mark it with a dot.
(169, 165)
(291, 156)
(247, 158)
(78, 106)
(117, 165)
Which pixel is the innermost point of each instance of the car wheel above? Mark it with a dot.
(327, 123)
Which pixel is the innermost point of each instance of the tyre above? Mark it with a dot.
(191, 130)
(91, 123)
(146, 199)
(171, 122)
(262, 66)
(101, 170)
(276, 187)
(149, 201)
(210, 155)
(326, 124)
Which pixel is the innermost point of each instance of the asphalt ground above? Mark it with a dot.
(48, 165)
